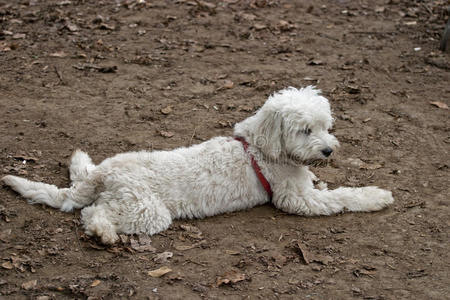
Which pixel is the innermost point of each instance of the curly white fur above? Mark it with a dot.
(144, 191)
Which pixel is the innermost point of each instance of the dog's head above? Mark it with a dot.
(292, 126)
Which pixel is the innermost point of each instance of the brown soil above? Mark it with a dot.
(100, 76)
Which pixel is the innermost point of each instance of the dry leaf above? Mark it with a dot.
(248, 17)
(279, 259)
(230, 277)
(259, 26)
(439, 104)
(228, 84)
(159, 272)
(303, 252)
(19, 36)
(7, 265)
(246, 108)
(315, 62)
(324, 260)
(184, 248)
(166, 134)
(95, 283)
(189, 228)
(59, 54)
(166, 110)
(105, 26)
(29, 284)
(71, 27)
(123, 238)
(163, 257)
(143, 245)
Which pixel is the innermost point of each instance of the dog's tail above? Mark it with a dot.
(80, 194)
(80, 166)
(36, 192)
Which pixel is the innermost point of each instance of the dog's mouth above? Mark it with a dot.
(313, 162)
(317, 163)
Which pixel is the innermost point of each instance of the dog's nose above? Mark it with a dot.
(327, 151)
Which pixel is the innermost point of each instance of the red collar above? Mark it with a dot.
(256, 168)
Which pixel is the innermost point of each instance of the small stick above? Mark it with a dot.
(78, 240)
(59, 75)
(192, 136)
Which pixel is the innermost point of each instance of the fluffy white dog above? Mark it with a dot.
(144, 191)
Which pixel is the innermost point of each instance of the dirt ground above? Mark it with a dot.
(114, 76)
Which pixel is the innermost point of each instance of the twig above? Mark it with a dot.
(194, 262)
(411, 205)
(372, 32)
(192, 136)
(59, 75)
(78, 240)
(427, 8)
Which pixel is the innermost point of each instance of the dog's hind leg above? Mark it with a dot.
(80, 166)
(134, 212)
(97, 221)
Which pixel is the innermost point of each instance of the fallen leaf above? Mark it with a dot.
(184, 247)
(123, 238)
(101, 69)
(232, 276)
(352, 89)
(29, 284)
(19, 36)
(25, 158)
(144, 244)
(279, 259)
(96, 247)
(285, 26)
(71, 27)
(163, 257)
(159, 272)
(225, 124)
(228, 84)
(105, 26)
(248, 17)
(189, 228)
(174, 277)
(232, 252)
(259, 26)
(59, 54)
(303, 252)
(246, 108)
(7, 265)
(315, 62)
(166, 110)
(206, 5)
(358, 163)
(166, 134)
(323, 259)
(5, 234)
(187, 247)
(411, 23)
(439, 104)
(107, 69)
(95, 283)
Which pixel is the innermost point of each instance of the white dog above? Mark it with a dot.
(144, 191)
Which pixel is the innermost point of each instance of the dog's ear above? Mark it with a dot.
(267, 133)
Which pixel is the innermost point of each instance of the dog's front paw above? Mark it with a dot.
(370, 198)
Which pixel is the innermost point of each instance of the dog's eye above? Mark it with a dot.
(306, 131)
